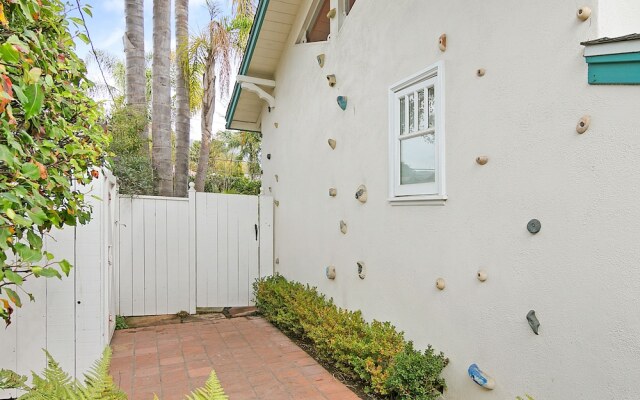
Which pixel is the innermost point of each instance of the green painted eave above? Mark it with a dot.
(246, 59)
(614, 69)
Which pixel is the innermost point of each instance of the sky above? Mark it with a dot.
(107, 27)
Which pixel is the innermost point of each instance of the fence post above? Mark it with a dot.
(192, 248)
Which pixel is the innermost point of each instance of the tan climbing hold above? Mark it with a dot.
(440, 284)
(332, 80)
(277, 179)
(277, 203)
(362, 269)
(332, 143)
(583, 124)
(277, 261)
(331, 272)
(481, 72)
(343, 227)
(361, 194)
(333, 192)
(442, 42)
(320, 59)
(331, 13)
(482, 160)
(584, 13)
(275, 124)
(482, 275)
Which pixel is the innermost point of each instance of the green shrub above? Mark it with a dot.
(374, 353)
(121, 322)
(527, 397)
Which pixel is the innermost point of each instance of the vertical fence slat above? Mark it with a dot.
(187, 252)
(234, 220)
(138, 264)
(163, 237)
(149, 257)
(222, 294)
(174, 264)
(125, 255)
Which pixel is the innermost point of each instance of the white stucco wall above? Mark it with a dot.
(618, 18)
(580, 273)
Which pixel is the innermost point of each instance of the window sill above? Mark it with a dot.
(428, 200)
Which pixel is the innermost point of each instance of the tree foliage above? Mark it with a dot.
(50, 137)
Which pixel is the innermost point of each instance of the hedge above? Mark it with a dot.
(375, 353)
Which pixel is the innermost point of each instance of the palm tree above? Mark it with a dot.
(183, 109)
(161, 98)
(136, 86)
(211, 52)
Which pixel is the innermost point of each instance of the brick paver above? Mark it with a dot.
(252, 359)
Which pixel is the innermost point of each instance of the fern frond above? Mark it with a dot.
(53, 384)
(98, 382)
(11, 380)
(212, 390)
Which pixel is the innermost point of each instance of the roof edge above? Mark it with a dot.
(258, 19)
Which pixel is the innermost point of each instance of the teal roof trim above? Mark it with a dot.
(614, 69)
(246, 59)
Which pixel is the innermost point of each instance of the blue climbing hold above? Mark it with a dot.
(342, 102)
(481, 378)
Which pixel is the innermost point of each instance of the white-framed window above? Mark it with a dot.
(416, 137)
(318, 27)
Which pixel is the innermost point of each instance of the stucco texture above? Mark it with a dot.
(580, 273)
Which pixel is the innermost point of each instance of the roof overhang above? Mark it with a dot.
(269, 35)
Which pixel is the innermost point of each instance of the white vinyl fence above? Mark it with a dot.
(177, 254)
(73, 318)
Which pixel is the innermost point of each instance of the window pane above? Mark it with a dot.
(412, 127)
(418, 160)
(432, 111)
(403, 115)
(421, 126)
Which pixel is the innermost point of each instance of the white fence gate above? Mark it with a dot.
(72, 318)
(174, 254)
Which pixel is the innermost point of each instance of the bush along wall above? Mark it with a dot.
(375, 353)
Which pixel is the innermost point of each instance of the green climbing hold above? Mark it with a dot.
(342, 102)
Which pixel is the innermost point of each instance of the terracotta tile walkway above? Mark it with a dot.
(253, 360)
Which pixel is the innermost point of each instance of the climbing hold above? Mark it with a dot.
(331, 272)
(269, 156)
(481, 71)
(361, 194)
(277, 203)
(332, 143)
(362, 270)
(277, 261)
(533, 321)
(482, 160)
(331, 13)
(269, 189)
(332, 80)
(534, 226)
(276, 178)
(584, 13)
(480, 377)
(440, 284)
(583, 124)
(275, 124)
(333, 192)
(442, 42)
(342, 102)
(343, 227)
(320, 59)
(482, 275)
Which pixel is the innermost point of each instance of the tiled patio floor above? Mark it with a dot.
(253, 360)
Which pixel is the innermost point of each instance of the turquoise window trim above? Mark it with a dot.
(246, 59)
(614, 69)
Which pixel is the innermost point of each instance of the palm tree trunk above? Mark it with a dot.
(161, 98)
(183, 113)
(135, 74)
(208, 108)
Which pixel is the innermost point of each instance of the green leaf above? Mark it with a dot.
(77, 20)
(87, 10)
(13, 296)
(35, 97)
(13, 277)
(65, 266)
(50, 273)
(8, 54)
(84, 38)
(10, 213)
(27, 254)
(20, 93)
(31, 171)
(34, 240)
